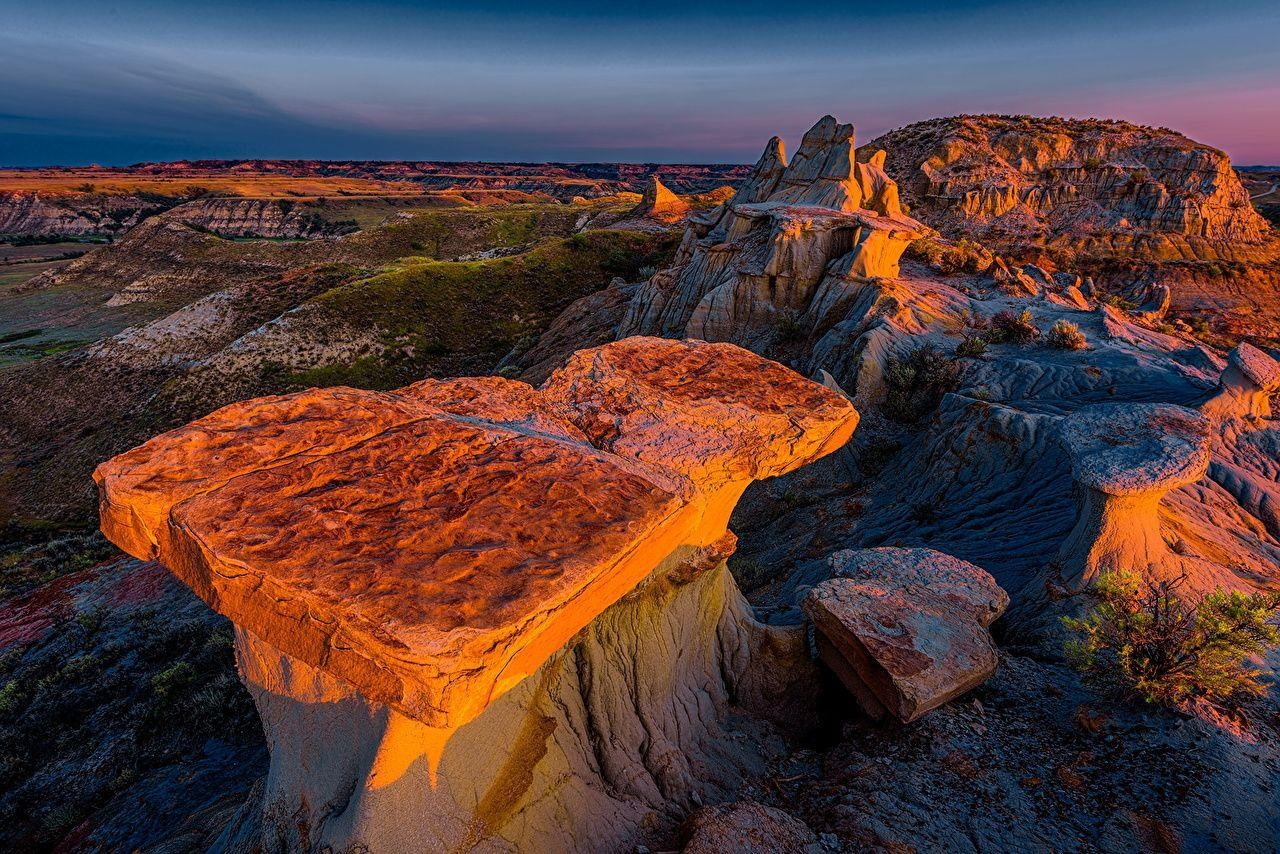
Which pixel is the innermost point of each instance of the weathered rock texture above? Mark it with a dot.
(73, 214)
(1247, 385)
(1125, 457)
(748, 827)
(231, 217)
(794, 239)
(406, 568)
(1104, 187)
(906, 629)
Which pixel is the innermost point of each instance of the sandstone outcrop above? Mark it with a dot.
(268, 218)
(1103, 187)
(73, 214)
(660, 203)
(406, 568)
(795, 234)
(1247, 385)
(906, 629)
(1125, 457)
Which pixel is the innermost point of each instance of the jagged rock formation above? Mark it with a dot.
(906, 629)
(405, 570)
(1103, 187)
(796, 238)
(660, 203)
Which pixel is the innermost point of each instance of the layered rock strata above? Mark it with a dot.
(478, 614)
(794, 234)
(906, 629)
(1104, 187)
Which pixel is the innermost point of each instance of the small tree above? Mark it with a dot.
(1148, 643)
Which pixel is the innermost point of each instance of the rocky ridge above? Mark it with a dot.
(796, 237)
(1098, 187)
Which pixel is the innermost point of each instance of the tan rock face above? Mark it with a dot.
(905, 629)
(748, 265)
(1101, 186)
(1246, 387)
(660, 203)
(435, 545)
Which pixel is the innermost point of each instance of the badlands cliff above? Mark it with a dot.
(1006, 427)
(1094, 186)
(508, 604)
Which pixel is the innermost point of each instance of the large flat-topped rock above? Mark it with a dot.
(1133, 448)
(435, 545)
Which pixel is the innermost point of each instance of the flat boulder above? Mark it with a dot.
(906, 629)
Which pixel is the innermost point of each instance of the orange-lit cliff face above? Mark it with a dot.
(424, 552)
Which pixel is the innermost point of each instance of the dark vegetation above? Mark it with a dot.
(132, 691)
(915, 384)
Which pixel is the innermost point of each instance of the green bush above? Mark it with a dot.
(915, 385)
(172, 679)
(1065, 335)
(1147, 642)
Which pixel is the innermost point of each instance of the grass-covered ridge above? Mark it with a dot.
(439, 318)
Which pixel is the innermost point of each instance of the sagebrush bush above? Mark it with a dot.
(1144, 641)
(1019, 328)
(971, 346)
(1065, 335)
(914, 385)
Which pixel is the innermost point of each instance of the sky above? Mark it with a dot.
(121, 81)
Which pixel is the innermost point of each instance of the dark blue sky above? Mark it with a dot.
(117, 82)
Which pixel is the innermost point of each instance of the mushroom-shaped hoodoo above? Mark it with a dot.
(1124, 458)
(405, 569)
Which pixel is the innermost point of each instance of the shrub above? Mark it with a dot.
(971, 346)
(1007, 326)
(916, 384)
(1148, 643)
(1065, 335)
(173, 678)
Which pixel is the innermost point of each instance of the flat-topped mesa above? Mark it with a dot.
(1124, 458)
(760, 257)
(414, 556)
(1246, 387)
(906, 629)
(659, 203)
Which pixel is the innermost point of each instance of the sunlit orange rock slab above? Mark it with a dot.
(433, 546)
